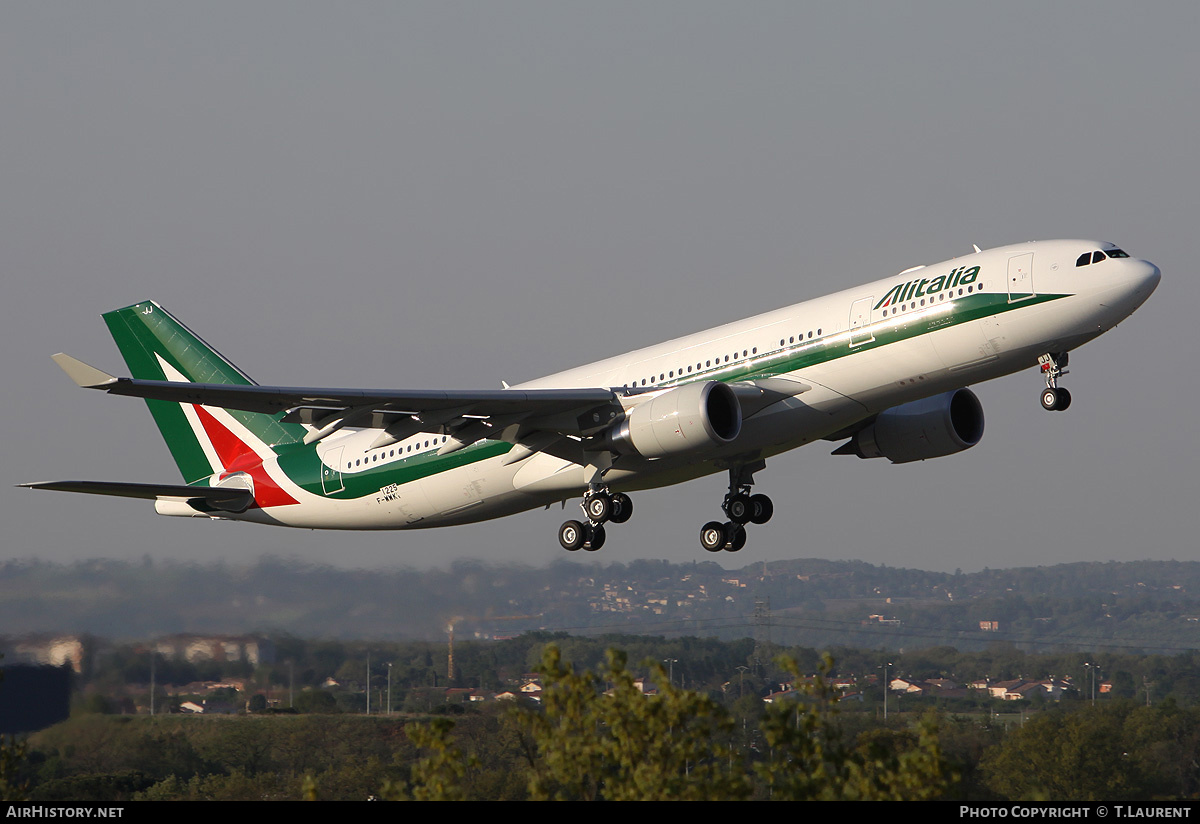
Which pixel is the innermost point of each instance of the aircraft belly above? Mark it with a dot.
(968, 345)
(475, 492)
(797, 420)
(1049, 326)
(872, 375)
(545, 473)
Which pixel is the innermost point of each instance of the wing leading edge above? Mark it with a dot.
(519, 416)
(467, 416)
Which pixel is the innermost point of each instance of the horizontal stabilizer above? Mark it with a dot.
(202, 498)
(86, 376)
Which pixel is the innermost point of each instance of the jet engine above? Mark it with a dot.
(686, 419)
(928, 428)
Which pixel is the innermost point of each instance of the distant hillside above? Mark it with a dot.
(1135, 605)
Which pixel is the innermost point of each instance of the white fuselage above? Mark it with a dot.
(856, 352)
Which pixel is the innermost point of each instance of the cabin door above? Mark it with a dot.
(331, 471)
(860, 322)
(1020, 277)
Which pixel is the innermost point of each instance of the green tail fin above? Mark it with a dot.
(156, 346)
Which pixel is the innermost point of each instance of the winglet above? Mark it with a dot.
(86, 376)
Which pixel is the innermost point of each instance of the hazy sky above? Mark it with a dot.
(445, 195)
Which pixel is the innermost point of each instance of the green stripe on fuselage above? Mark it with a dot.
(304, 467)
(884, 331)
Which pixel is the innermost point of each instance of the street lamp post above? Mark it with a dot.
(885, 689)
(1093, 668)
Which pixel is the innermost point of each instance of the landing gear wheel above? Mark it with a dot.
(761, 509)
(1054, 366)
(1056, 399)
(735, 537)
(712, 536)
(571, 535)
(595, 537)
(622, 508)
(739, 509)
(598, 508)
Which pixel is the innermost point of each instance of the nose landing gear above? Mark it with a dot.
(1054, 365)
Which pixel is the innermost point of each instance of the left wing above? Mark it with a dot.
(538, 420)
(466, 416)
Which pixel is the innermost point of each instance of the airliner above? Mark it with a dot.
(884, 368)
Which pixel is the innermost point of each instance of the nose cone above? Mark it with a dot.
(1130, 288)
(1143, 280)
(1150, 277)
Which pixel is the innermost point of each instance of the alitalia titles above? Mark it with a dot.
(928, 286)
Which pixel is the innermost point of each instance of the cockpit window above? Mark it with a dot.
(1097, 256)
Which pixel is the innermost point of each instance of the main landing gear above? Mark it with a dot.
(1054, 365)
(599, 507)
(741, 508)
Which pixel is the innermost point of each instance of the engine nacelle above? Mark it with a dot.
(686, 419)
(928, 428)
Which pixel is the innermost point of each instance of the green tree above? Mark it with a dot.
(12, 759)
(437, 775)
(1068, 756)
(316, 701)
(814, 760)
(624, 745)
